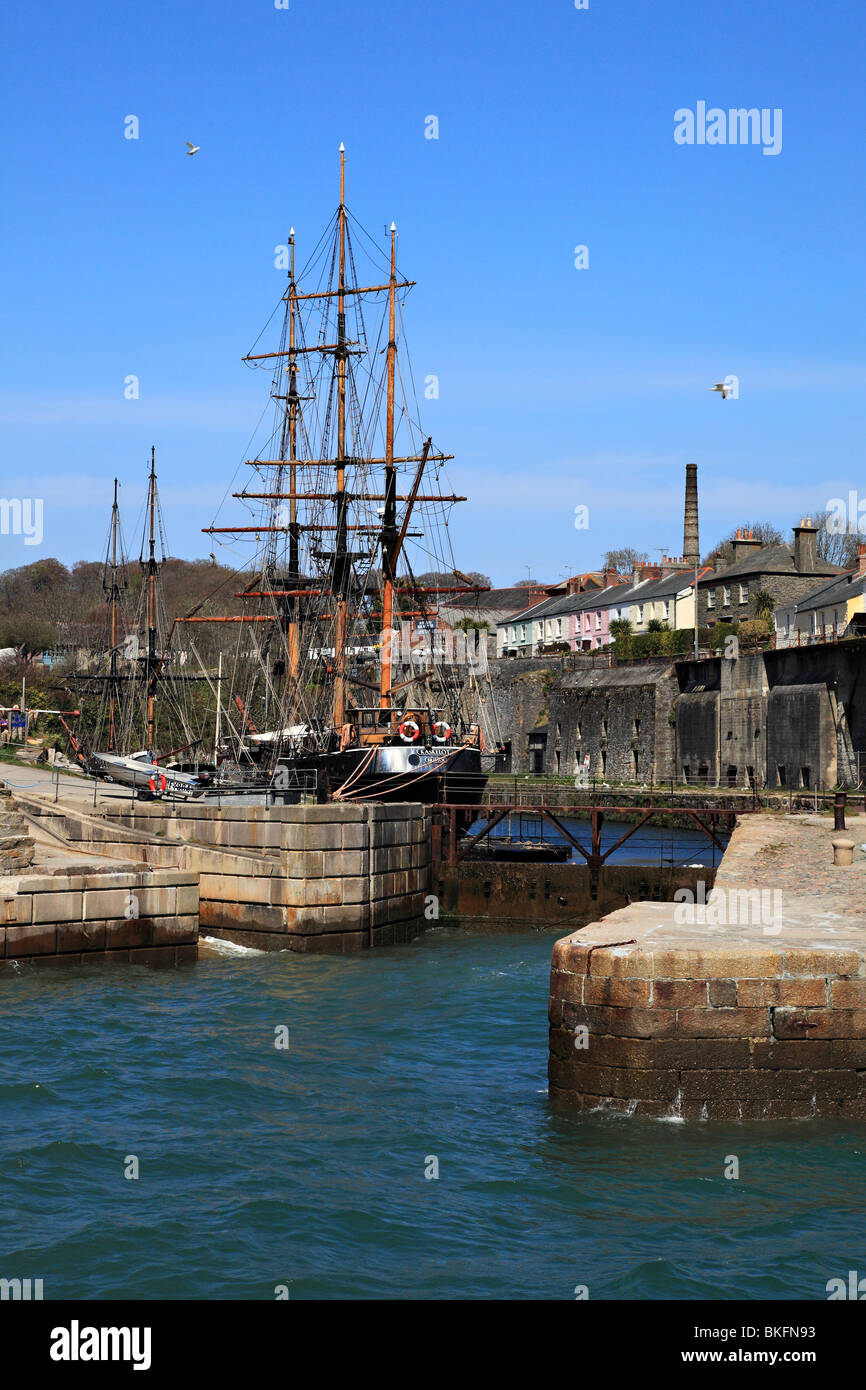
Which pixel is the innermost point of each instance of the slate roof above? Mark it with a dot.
(508, 600)
(576, 603)
(770, 559)
(642, 674)
(839, 590)
(667, 587)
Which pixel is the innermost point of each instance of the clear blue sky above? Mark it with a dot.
(559, 386)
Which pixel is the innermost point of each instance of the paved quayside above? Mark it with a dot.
(752, 1006)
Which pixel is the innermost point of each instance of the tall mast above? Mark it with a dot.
(112, 703)
(389, 521)
(294, 570)
(151, 608)
(341, 563)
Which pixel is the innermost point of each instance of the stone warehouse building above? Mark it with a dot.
(789, 718)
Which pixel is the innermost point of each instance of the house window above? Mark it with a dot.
(598, 622)
(711, 598)
(511, 634)
(559, 627)
(726, 596)
(667, 609)
(744, 593)
(640, 612)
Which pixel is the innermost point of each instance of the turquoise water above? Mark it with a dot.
(305, 1167)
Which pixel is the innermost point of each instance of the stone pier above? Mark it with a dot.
(62, 907)
(750, 1006)
(326, 878)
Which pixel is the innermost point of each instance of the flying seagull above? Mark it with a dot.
(724, 388)
(191, 148)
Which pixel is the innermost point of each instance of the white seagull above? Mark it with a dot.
(191, 148)
(724, 388)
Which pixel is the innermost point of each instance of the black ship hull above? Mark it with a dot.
(433, 774)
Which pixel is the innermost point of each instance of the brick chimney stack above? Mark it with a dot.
(745, 542)
(805, 546)
(644, 571)
(691, 544)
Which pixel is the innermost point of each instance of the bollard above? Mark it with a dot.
(843, 852)
(840, 801)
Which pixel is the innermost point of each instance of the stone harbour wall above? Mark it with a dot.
(326, 878)
(709, 1034)
(16, 845)
(751, 1007)
(132, 913)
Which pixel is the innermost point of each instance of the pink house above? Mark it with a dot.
(589, 622)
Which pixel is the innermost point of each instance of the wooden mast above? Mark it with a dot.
(294, 569)
(112, 702)
(151, 609)
(341, 563)
(389, 520)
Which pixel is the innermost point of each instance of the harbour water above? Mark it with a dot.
(651, 845)
(304, 1166)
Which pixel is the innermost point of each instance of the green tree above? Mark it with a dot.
(763, 604)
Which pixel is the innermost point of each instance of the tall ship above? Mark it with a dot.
(339, 671)
(141, 723)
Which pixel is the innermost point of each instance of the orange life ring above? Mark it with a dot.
(162, 782)
(441, 724)
(409, 724)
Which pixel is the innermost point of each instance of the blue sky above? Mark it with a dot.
(558, 387)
